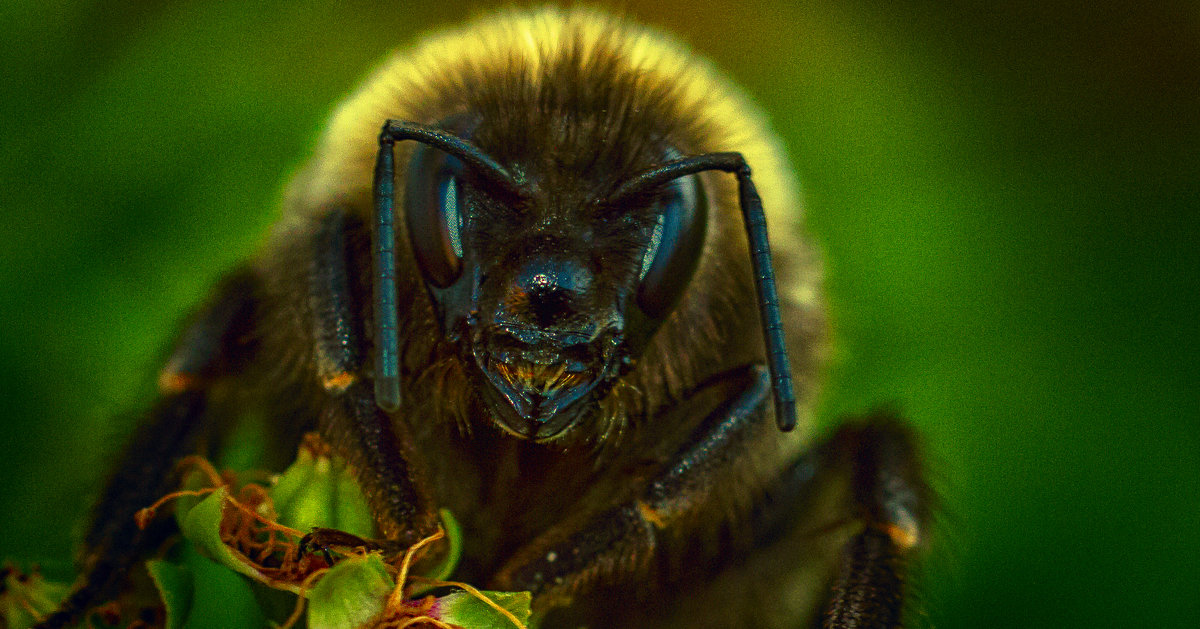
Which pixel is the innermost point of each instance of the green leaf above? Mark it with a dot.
(351, 594)
(468, 611)
(175, 586)
(317, 490)
(292, 481)
(445, 569)
(200, 592)
(221, 599)
(312, 504)
(202, 525)
(351, 512)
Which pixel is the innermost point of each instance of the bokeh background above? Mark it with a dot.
(1006, 194)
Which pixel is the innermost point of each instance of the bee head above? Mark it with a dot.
(548, 285)
(551, 280)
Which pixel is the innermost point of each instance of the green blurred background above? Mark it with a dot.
(1006, 194)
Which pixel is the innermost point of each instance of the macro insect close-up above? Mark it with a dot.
(541, 311)
(526, 278)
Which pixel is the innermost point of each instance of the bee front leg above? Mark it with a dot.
(214, 346)
(377, 448)
(369, 439)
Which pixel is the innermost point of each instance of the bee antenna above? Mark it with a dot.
(383, 238)
(760, 258)
(383, 254)
(768, 297)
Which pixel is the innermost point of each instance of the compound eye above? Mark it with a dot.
(434, 209)
(675, 245)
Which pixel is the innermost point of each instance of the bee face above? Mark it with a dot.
(549, 293)
(573, 107)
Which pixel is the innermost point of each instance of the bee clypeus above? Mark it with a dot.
(526, 278)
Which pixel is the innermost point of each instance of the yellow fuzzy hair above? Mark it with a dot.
(491, 46)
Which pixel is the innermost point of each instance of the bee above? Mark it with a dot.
(526, 277)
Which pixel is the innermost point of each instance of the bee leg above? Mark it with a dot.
(652, 526)
(890, 496)
(214, 344)
(370, 440)
(375, 446)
